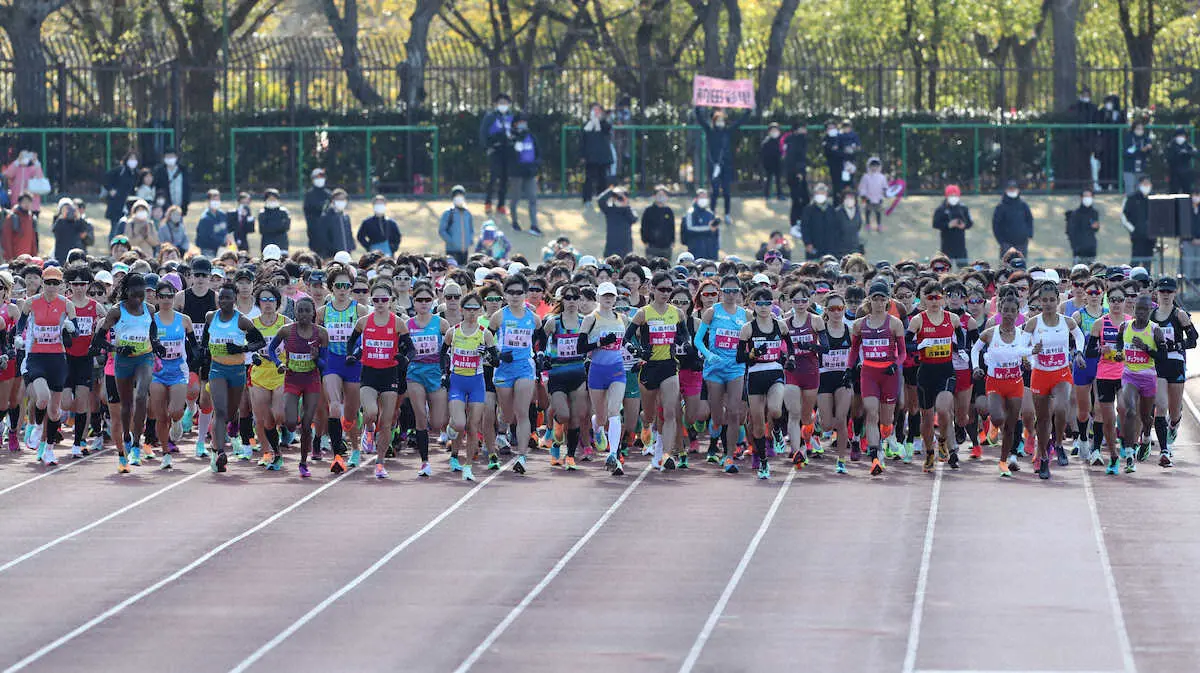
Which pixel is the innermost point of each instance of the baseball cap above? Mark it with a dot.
(120, 267)
(1051, 274)
(1017, 262)
(272, 252)
(685, 257)
(760, 279)
(587, 260)
(953, 190)
(52, 273)
(104, 276)
(343, 257)
(1139, 273)
(515, 267)
(606, 288)
(1167, 283)
(481, 274)
(201, 265)
(318, 172)
(878, 288)
(218, 272)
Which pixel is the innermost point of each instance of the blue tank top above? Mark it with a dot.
(339, 325)
(564, 344)
(1086, 320)
(133, 330)
(427, 340)
(516, 334)
(725, 331)
(613, 354)
(172, 338)
(225, 332)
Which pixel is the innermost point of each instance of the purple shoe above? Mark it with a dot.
(171, 448)
(304, 471)
(13, 445)
(754, 462)
(855, 452)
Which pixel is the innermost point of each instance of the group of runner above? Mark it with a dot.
(592, 359)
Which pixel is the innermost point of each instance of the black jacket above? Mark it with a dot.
(241, 225)
(1079, 227)
(795, 154)
(526, 156)
(819, 228)
(770, 153)
(122, 181)
(658, 226)
(162, 185)
(954, 240)
(720, 140)
(1179, 163)
(1190, 229)
(596, 146)
(332, 234)
(315, 202)
(832, 148)
(1137, 212)
(274, 224)
(68, 234)
(1012, 221)
(377, 229)
(618, 221)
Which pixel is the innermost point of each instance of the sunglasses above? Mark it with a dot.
(268, 298)
(199, 275)
(708, 274)
(514, 293)
(84, 283)
(493, 298)
(472, 308)
(342, 286)
(975, 302)
(731, 290)
(708, 294)
(573, 297)
(940, 268)
(1078, 284)
(799, 300)
(905, 297)
(681, 302)
(537, 289)
(835, 309)
(162, 295)
(52, 282)
(763, 302)
(452, 296)
(96, 295)
(1115, 299)
(664, 288)
(1094, 293)
(933, 297)
(361, 290)
(437, 269)
(384, 300)
(419, 300)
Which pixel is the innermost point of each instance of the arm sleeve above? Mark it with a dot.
(254, 340)
(977, 352)
(1077, 335)
(1189, 337)
(701, 331)
(1092, 348)
(273, 348)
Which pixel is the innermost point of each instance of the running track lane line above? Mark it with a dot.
(736, 578)
(918, 613)
(47, 473)
(104, 519)
(364, 575)
(1110, 582)
(530, 597)
(104, 616)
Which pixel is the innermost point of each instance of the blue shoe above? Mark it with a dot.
(764, 472)
(555, 451)
(276, 465)
(135, 454)
(841, 467)
(730, 466)
(355, 458)
(1112, 467)
(200, 450)
(122, 465)
(41, 450)
(287, 437)
(519, 465)
(186, 421)
(455, 466)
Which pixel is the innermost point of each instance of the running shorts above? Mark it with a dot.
(655, 372)
(806, 375)
(508, 373)
(337, 366)
(565, 379)
(934, 379)
(49, 366)
(428, 375)
(723, 371)
(1085, 376)
(235, 375)
(760, 382)
(175, 372)
(301, 383)
(875, 383)
(831, 382)
(601, 376)
(1043, 382)
(1009, 389)
(962, 380)
(1107, 389)
(79, 371)
(1145, 381)
(1174, 371)
(469, 389)
(381, 380)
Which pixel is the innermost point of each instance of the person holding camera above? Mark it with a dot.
(618, 220)
(70, 230)
(25, 175)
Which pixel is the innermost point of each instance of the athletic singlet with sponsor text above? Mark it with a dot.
(379, 342)
(935, 343)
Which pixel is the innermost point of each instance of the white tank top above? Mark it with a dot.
(1054, 342)
(1003, 359)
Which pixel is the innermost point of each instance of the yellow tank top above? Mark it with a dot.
(1136, 359)
(266, 375)
(662, 331)
(465, 359)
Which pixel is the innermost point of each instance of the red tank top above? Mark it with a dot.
(877, 344)
(935, 343)
(379, 343)
(86, 317)
(44, 329)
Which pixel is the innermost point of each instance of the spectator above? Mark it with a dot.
(1082, 224)
(1081, 143)
(776, 243)
(618, 221)
(140, 231)
(335, 234)
(274, 221)
(19, 173)
(19, 232)
(718, 136)
(1109, 143)
(119, 184)
(952, 219)
(172, 230)
(700, 230)
(770, 153)
(495, 134)
(1012, 221)
(171, 180)
(795, 161)
(1189, 243)
(872, 187)
(596, 151)
(849, 145)
(145, 187)
(849, 224)
(379, 232)
(316, 200)
(817, 224)
(492, 242)
(658, 225)
(527, 160)
(1179, 162)
(456, 227)
(1137, 156)
(70, 230)
(1136, 219)
(241, 221)
(212, 232)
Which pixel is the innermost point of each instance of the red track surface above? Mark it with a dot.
(584, 572)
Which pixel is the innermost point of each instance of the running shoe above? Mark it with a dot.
(730, 466)
(555, 461)
(589, 454)
(976, 452)
(1063, 461)
(619, 470)
(368, 442)
(876, 467)
(175, 433)
(493, 462)
(266, 459)
(355, 458)
(303, 470)
(1112, 467)
(519, 465)
(1172, 433)
(380, 471)
(571, 466)
(1044, 469)
(668, 463)
(276, 464)
(166, 462)
(468, 475)
(930, 460)
(123, 465)
(814, 446)
(1130, 466)
(135, 454)
(1013, 463)
(502, 444)
(1004, 471)
(77, 451)
(286, 437)
(1164, 460)
(906, 454)
(893, 446)
(682, 463)
(754, 462)
(1143, 451)
(1079, 447)
(840, 467)
(712, 457)
(235, 447)
(186, 421)
(34, 438)
(201, 452)
(649, 450)
(455, 466)
(778, 444)
(555, 453)
(14, 446)
(220, 461)
(855, 453)
(425, 471)
(943, 449)
(764, 472)
(952, 461)
(317, 451)
(1020, 449)
(48, 455)
(1094, 458)
(799, 460)
(611, 462)
(918, 446)
(95, 443)
(338, 464)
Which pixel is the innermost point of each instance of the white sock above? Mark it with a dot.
(203, 426)
(614, 434)
(658, 448)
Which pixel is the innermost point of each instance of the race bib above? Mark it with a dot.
(1052, 357)
(836, 359)
(616, 345)
(378, 349)
(463, 358)
(46, 334)
(174, 349)
(877, 349)
(726, 338)
(567, 345)
(425, 344)
(661, 334)
(339, 331)
(518, 337)
(198, 330)
(770, 349)
(1136, 356)
(85, 324)
(1007, 371)
(936, 348)
(300, 357)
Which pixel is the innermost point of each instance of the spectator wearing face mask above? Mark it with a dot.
(457, 227)
(274, 221)
(770, 153)
(1109, 143)
(1082, 224)
(492, 242)
(618, 221)
(849, 144)
(527, 159)
(831, 147)
(872, 189)
(316, 200)
(172, 230)
(1180, 153)
(1135, 217)
(140, 230)
(70, 230)
(818, 225)
(1080, 143)
(718, 137)
(952, 219)
(241, 221)
(335, 232)
(795, 163)
(171, 180)
(849, 220)
(776, 243)
(379, 232)
(19, 173)
(1138, 147)
(700, 230)
(1012, 220)
(495, 135)
(658, 225)
(596, 153)
(120, 184)
(212, 231)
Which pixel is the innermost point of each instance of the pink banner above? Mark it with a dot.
(713, 92)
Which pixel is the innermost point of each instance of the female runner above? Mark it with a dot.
(514, 326)
(1179, 334)
(168, 385)
(135, 343)
(11, 386)
(723, 374)
(379, 340)
(1091, 310)
(879, 338)
(1056, 342)
(568, 396)
(341, 380)
(1103, 344)
(266, 382)
(470, 345)
(691, 369)
(77, 393)
(227, 336)
(425, 390)
(998, 357)
(1141, 345)
(602, 334)
(762, 346)
(658, 325)
(804, 380)
(304, 343)
(835, 387)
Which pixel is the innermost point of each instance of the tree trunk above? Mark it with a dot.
(1023, 59)
(1141, 59)
(733, 41)
(345, 29)
(781, 27)
(23, 20)
(712, 38)
(1065, 14)
(416, 53)
(200, 90)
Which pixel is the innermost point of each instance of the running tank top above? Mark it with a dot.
(301, 358)
(726, 331)
(223, 332)
(1172, 330)
(133, 330)
(1055, 343)
(197, 308)
(1109, 368)
(268, 331)
(86, 317)
(662, 328)
(803, 334)
(771, 345)
(837, 358)
(1086, 320)
(1003, 358)
(935, 343)
(611, 354)
(45, 329)
(379, 342)
(516, 334)
(564, 344)
(1138, 359)
(465, 359)
(171, 337)
(877, 343)
(339, 325)
(427, 340)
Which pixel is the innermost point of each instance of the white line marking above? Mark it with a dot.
(364, 575)
(60, 468)
(104, 519)
(107, 614)
(541, 586)
(1110, 582)
(918, 613)
(1187, 399)
(972, 670)
(715, 615)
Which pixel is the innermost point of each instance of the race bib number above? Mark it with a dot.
(198, 330)
(1007, 371)
(378, 349)
(770, 349)
(85, 324)
(300, 357)
(425, 344)
(836, 359)
(1053, 357)
(462, 358)
(661, 334)
(616, 345)
(518, 337)
(936, 348)
(726, 338)
(174, 349)
(877, 349)
(46, 334)
(340, 331)
(1136, 356)
(567, 346)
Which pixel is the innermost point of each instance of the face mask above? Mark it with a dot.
(380, 209)
(1085, 99)
(502, 108)
(952, 200)
(132, 164)
(339, 205)
(272, 204)
(774, 134)
(720, 125)
(848, 203)
(176, 219)
(701, 203)
(1138, 132)
(141, 216)
(214, 205)
(460, 201)
(1086, 201)
(831, 133)
(1012, 195)
(318, 182)
(161, 201)
(522, 128)
(1196, 200)
(1145, 189)
(660, 199)
(819, 199)
(1179, 140)
(1108, 106)
(170, 161)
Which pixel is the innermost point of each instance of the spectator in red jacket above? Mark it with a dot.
(18, 233)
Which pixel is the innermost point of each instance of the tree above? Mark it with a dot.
(1139, 28)
(924, 47)
(22, 20)
(105, 25)
(781, 26)
(718, 62)
(416, 53)
(345, 29)
(1065, 19)
(508, 46)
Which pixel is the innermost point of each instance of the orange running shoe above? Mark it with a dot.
(976, 452)
(555, 462)
(338, 464)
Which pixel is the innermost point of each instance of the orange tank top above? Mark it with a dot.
(45, 327)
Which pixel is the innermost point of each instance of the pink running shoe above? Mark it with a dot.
(13, 444)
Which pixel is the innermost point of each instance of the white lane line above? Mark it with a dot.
(1110, 582)
(364, 575)
(541, 586)
(114, 610)
(102, 520)
(918, 613)
(1187, 399)
(740, 570)
(60, 468)
(973, 670)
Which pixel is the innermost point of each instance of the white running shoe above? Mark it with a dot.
(1094, 458)
(48, 456)
(35, 436)
(176, 433)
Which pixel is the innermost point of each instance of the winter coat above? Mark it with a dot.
(68, 235)
(241, 225)
(274, 224)
(334, 234)
(211, 230)
(953, 239)
(795, 153)
(123, 182)
(1012, 221)
(1137, 213)
(457, 229)
(18, 234)
(1079, 227)
(595, 145)
(162, 184)
(143, 235)
(720, 140)
(658, 226)
(618, 224)
(315, 202)
(770, 153)
(526, 157)
(848, 227)
(175, 234)
(18, 181)
(495, 131)
(1137, 153)
(697, 232)
(819, 229)
(1179, 164)
(379, 229)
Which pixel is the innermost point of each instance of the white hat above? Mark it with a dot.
(1038, 275)
(104, 276)
(515, 267)
(606, 288)
(684, 257)
(218, 272)
(1051, 274)
(318, 171)
(760, 279)
(481, 273)
(343, 257)
(1080, 267)
(272, 252)
(587, 260)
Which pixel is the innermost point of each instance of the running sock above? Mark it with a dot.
(1160, 429)
(1097, 435)
(914, 425)
(14, 417)
(725, 439)
(614, 433)
(714, 435)
(81, 426)
(423, 445)
(1082, 425)
(973, 431)
(272, 439)
(98, 424)
(246, 428)
(52, 429)
(858, 426)
(572, 441)
(39, 415)
(779, 425)
(334, 428)
(658, 449)
(203, 426)
(760, 448)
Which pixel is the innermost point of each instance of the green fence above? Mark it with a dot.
(319, 146)
(1040, 155)
(62, 156)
